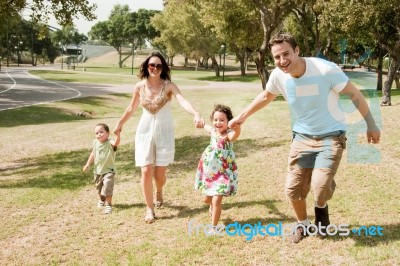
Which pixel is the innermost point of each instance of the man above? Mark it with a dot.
(311, 87)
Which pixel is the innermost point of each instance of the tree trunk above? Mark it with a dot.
(241, 59)
(379, 70)
(328, 47)
(215, 66)
(386, 99)
(120, 57)
(262, 72)
(260, 60)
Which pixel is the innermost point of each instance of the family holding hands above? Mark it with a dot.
(311, 87)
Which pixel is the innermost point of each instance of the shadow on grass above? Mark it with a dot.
(364, 238)
(62, 170)
(129, 206)
(35, 115)
(185, 211)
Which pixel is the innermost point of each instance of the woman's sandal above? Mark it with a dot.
(159, 199)
(150, 216)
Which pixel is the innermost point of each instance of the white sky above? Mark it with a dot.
(104, 8)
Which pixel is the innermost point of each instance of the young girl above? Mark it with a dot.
(216, 174)
(103, 156)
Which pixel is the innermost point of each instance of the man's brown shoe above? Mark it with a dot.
(299, 233)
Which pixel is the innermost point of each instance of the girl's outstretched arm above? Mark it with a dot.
(208, 128)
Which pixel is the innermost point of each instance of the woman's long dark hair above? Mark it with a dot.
(144, 68)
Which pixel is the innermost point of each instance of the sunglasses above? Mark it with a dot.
(152, 66)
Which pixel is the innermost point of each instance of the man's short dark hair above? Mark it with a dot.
(281, 37)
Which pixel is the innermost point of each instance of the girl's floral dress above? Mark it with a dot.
(217, 170)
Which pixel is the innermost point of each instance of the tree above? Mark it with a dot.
(144, 29)
(123, 28)
(40, 10)
(9, 19)
(182, 32)
(64, 11)
(236, 25)
(114, 30)
(68, 35)
(380, 20)
(271, 15)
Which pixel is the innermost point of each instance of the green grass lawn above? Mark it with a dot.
(49, 213)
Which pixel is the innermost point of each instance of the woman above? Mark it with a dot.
(154, 140)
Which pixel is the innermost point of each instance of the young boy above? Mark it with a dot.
(103, 156)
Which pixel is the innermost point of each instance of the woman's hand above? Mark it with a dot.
(117, 130)
(198, 121)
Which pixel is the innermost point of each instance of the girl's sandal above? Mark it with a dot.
(159, 199)
(150, 216)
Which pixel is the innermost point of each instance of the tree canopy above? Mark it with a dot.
(125, 28)
(40, 10)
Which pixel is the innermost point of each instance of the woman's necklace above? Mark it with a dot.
(154, 91)
(154, 87)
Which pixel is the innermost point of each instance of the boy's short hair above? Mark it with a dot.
(106, 128)
(281, 37)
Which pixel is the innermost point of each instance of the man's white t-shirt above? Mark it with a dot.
(314, 97)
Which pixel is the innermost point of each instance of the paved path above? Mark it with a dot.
(18, 88)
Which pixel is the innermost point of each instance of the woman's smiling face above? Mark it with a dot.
(155, 66)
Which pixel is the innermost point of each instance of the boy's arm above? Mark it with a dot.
(117, 140)
(89, 162)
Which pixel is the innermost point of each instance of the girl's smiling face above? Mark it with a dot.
(101, 134)
(220, 122)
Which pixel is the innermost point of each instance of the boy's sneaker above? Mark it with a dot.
(108, 209)
(299, 234)
(101, 203)
(322, 220)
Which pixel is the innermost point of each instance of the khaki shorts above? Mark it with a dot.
(313, 162)
(104, 184)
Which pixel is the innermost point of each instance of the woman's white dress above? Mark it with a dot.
(154, 140)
